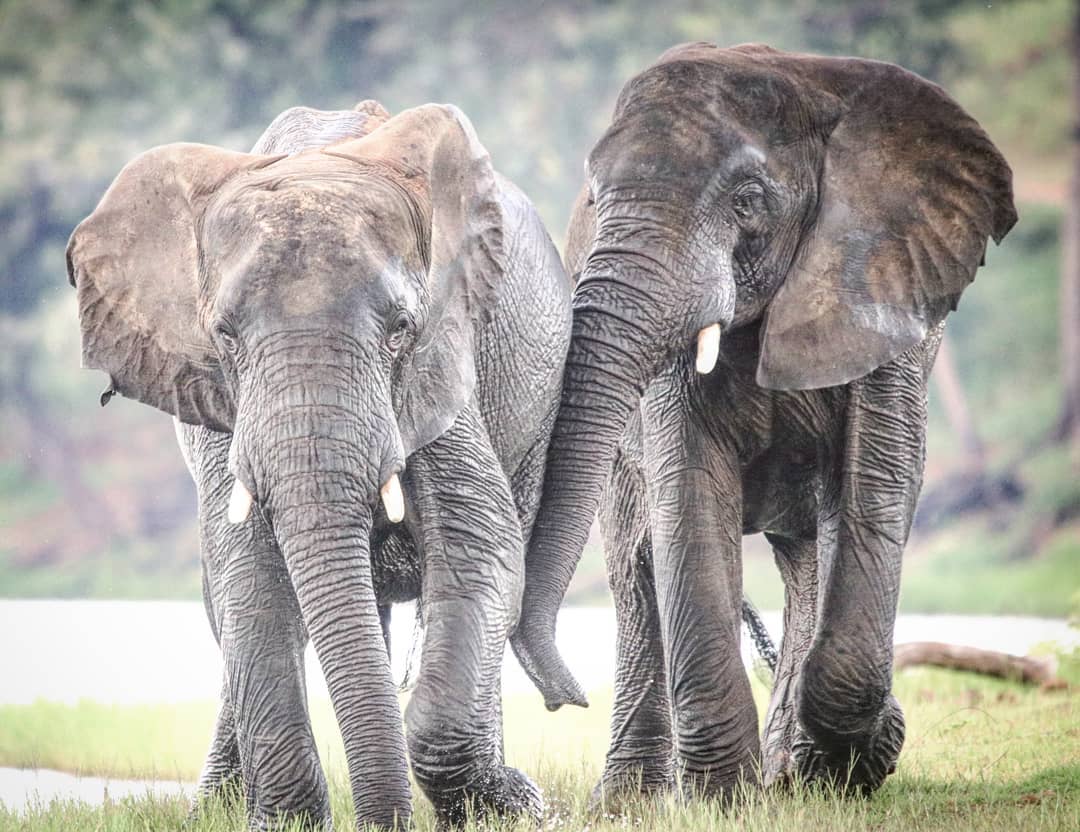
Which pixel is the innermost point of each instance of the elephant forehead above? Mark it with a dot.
(313, 225)
(308, 250)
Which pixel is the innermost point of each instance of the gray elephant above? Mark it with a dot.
(765, 252)
(360, 328)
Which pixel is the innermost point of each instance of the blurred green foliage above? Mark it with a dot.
(87, 85)
(96, 502)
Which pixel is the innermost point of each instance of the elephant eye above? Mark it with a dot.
(749, 200)
(227, 336)
(400, 328)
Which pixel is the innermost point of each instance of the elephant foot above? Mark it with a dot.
(308, 820)
(618, 795)
(710, 785)
(854, 768)
(502, 792)
(779, 771)
(779, 768)
(227, 791)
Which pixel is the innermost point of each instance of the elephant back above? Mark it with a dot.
(304, 128)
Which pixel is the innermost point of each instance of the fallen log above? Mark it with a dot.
(1030, 670)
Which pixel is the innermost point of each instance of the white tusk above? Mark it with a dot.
(239, 503)
(393, 500)
(708, 348)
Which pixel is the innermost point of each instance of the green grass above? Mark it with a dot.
(980, 755)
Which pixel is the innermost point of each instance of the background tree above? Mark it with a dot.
(1069, 427)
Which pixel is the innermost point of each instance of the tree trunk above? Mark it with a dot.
(1069, 427)
(1033, 671)
(957, 411)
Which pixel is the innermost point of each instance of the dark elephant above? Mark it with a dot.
(361, 308)
(766, 249)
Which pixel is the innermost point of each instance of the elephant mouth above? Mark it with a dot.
(393, 500)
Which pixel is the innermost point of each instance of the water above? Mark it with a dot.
(20, 788)
(133, 652)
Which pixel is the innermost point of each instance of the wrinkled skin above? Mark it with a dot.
(823, 216)
(361, 297)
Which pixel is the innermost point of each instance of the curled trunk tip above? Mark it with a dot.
(540, 659)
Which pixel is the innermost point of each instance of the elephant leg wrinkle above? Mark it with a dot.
(641, 757)
(698, 575)
(473, 579)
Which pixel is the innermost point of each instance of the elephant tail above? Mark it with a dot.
(758, 634)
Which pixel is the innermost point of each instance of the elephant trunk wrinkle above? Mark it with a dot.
(324, 433)
(318, 446)
(324, 536)
(602, 382)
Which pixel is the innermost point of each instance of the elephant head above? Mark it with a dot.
(321, 307)
(837, 207)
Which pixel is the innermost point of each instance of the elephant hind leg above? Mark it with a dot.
(640, 758)
(797, 562)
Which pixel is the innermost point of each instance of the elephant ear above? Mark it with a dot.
(580, 234)
(910, 191)
(437, 145)
(135, 264)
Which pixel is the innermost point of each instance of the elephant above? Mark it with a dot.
(765, 250)
(360, 329)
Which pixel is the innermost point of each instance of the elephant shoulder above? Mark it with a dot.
(529, 247)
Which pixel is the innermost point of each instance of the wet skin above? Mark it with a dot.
(359, 323)
(764, 252)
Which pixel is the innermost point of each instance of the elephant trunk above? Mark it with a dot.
(327, 550)
(317, 473)
(609, 363)
(646, 293)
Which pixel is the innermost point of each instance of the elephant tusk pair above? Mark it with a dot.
(708, 348)
(393, 501)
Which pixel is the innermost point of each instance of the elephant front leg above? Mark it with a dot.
(640, 758)
(221, 773)
(262, 738)
(221, 777)
(798, 563)
(473, 574)
(206, 453)
(854, 724)
(695, 502)
(263, 639)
